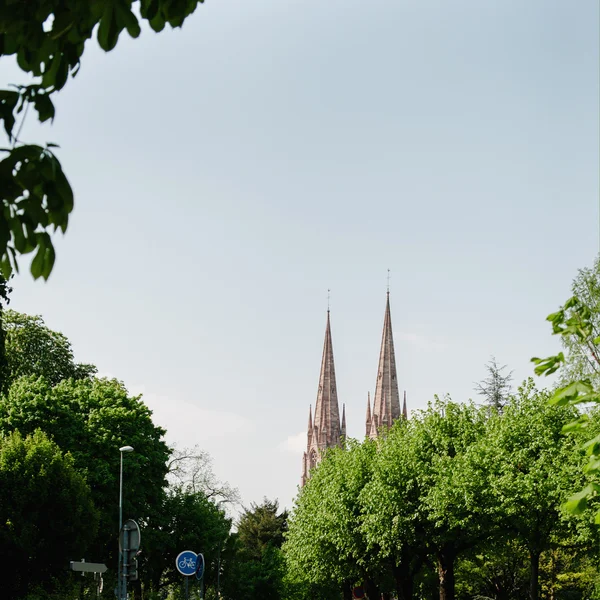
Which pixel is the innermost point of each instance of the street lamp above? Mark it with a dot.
(119, 581)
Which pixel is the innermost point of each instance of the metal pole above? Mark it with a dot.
(219, 574)
(187, 594)
(119, 578)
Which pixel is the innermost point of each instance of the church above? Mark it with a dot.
(326, 429)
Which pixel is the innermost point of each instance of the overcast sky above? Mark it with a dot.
(229, 173)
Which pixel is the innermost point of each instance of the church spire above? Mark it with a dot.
(368, 421)
(386, 404)
(404, 410)
(343, 430)
(327, 412)
(326, 422)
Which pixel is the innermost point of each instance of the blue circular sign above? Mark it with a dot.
(186, 563)
(200, 567)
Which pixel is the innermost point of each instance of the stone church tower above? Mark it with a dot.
(386, 404)
(325, 430)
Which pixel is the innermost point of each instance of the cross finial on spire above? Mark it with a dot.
(328, 298)
(388, 282)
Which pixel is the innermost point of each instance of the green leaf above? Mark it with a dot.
(569, 393)
(37, 264)
(8, 103)
(578, 502)
(44, 107)
(108, 32)
(130, 21)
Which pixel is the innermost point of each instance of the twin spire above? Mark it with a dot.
(325, 430)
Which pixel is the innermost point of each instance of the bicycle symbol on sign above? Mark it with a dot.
(187, 563)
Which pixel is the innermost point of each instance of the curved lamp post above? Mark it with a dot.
(119, 578)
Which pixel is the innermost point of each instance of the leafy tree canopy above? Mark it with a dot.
(34, 349)
(46, 512)
(92, 419)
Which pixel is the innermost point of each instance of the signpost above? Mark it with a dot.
(200, 567)
(96, 568)
(189, 563)
(86, 567)
(130, 538)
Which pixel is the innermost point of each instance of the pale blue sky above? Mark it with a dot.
(229, 173)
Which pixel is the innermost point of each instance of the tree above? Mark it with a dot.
(496, 387)
(326, 541)
(576, 322)
(184, 520)
(92, 419)
(534, 466)
(254, 567)
(48, 39)
(260, 526)
(191, 469)
(390, 501)
(456, 501)
(34, 349)
(580, 360)
(46, 513)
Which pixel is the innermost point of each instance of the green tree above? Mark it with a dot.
(326, 541)
(254, 566)
(580, 354)
(34, 349)
(496, 387)
(260, 526)
(46, 513)
(184, 520)
(576, 322)
(92, 419)
(533, 469)
(48, 39)
(392, 520)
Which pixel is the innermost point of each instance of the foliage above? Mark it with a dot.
(392, 519)
(533, 469)
(46, 512)
(48, 39)
(496, 388)
(92, 419)
(326, 541)
(577, 325)
(34, 349)
(184, 520)
(254, 567)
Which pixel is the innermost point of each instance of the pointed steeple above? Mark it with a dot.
(343, 430)
(368, 420)
(386, 403)
(310, 416)
(326, 427)
(327, 412)
(404, 410)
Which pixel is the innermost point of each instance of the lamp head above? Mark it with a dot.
(126, 449)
